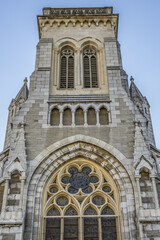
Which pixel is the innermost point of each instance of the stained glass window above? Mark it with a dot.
(81, 204)
(52, 229)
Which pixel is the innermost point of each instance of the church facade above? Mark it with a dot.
(79, 159)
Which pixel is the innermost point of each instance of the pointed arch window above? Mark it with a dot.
(81, 203)
(90, 68)
(67, 68)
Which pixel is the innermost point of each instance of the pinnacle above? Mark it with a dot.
(25, 80)
(131, 79)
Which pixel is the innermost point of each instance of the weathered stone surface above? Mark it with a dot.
(35, 149)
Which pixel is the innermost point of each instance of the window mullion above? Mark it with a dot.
(80, 229)
(62, 229)
(99, 229)
(90, 71)
(67, 72)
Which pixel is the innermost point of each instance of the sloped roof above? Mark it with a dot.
(23, 93)
(134, 91)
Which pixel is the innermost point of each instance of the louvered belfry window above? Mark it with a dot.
(90, 68)
(67, 68)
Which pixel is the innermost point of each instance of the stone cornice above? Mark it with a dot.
(77, 11)
(57, 17)
(110, 21)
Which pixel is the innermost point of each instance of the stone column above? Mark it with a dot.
(100, 71)
(73, 118)
(85, 118)
(61, 119)
(155, 192)
(139, 191)
(5, 196)
(77, 67)
(81, 68)
(140, 206)
(1, 168)
(21, 193)
(97, 117)
(56, 67)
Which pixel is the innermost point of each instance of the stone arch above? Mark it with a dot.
(65, 106)
(143, 163)
(79, 115)
(79, 106)
(51, 108)
(103, 105)
(91, 106)
(96, 43)
(54, 117)
(67, 116)
(61, 43)
(67, 149)
(103, 115)
(91, 116)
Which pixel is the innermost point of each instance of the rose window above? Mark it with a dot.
(77, 195)
(79, 180)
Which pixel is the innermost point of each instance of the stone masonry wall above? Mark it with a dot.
(151, 231)
(39, 135)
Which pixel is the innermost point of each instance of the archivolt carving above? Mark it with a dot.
(70, 148)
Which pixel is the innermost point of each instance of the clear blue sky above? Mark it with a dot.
(139, 35)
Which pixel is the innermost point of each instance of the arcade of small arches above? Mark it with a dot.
(81, 202)
(79, 115)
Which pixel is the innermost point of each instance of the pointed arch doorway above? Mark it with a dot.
(81, 202)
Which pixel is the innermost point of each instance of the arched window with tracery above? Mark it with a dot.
(67, 68)
(81, 202)
(90, 73)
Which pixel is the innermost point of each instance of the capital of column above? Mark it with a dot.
(137, 177)
(152, 176)
(23, 179)
(77, 50)
(7, 178)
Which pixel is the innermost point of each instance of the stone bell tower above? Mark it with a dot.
(79, 159)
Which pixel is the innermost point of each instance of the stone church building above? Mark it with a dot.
(79, 159)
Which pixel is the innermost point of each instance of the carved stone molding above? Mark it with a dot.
(109, 22)
(77, 11)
